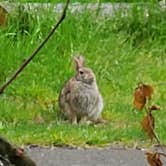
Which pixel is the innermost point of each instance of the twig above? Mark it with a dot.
(163, 154)
(27, 61)
(154, 133)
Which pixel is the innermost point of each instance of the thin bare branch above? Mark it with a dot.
(154, 133)
(34, 53)
(163, 154)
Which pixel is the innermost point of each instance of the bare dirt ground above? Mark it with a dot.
(87, 157)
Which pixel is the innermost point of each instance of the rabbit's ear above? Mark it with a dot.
(79, 62)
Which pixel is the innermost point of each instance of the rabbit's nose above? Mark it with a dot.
(87, 77)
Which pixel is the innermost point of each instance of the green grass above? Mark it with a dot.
(29, 108)
(84, 1)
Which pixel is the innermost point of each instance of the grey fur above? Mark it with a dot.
(80, 97)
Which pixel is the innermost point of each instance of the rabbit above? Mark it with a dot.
(80, 98)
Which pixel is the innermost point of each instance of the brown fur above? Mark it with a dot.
(80, 99)
(14, 154)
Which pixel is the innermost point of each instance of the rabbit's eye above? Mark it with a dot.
(81, 72)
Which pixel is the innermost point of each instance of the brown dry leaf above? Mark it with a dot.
(148, 125)
(141, 94)
(147, 90)
(139, 99)
(3, 16)
(154, 159)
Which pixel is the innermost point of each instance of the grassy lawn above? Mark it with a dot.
(29, 108)
(84, 1)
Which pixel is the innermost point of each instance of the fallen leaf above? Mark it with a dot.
(148, 125)
(154, 159)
